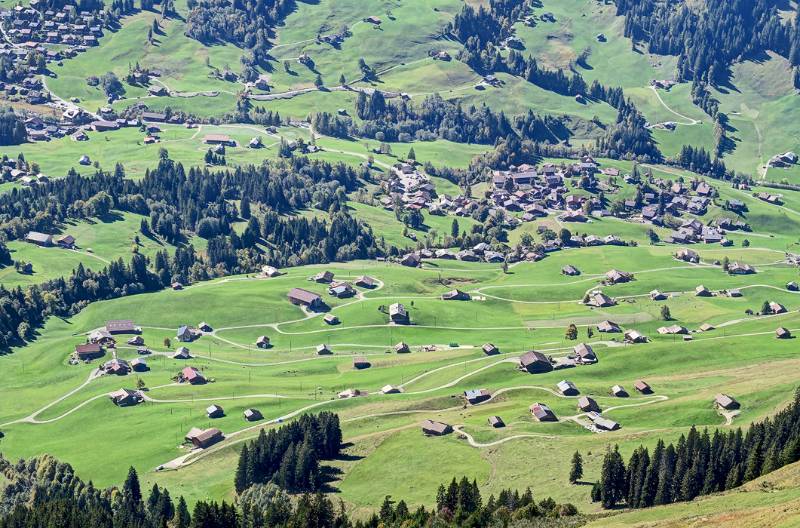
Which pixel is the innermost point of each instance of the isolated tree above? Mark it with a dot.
(411, 154)
(572, 332)
(665, 313)
(576, 470)
(167, 343)
(454, 229)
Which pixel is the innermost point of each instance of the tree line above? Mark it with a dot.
(45, 493)
(289, 456)
(176, 205)
(700, 463)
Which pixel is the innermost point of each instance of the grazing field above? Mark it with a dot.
(527, 308)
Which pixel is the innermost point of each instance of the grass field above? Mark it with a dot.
(527, 308)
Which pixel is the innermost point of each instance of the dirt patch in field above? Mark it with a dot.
(449, 281)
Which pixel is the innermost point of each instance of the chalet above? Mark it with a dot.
(219, 139)
(139, 365)
(687, 255)
(391, 389)
(341, 290)
(323, 277)
(634, 336)
(467, 255)
(331, 319)
(402, 348)
(602, 423)
(270, 271)
(186, 334)
(40, 239)
(735, 292)
(476, 396)
(65, 241)
(673, 330)
(102, 125)
(792, 286)
(489, 349)
(191, 375)
(181, 353)
(642, 387)
(350, 393)
(723, 401)
(705, 327)
(253, 415)
(398, 314)
(600, 300)
(323, 350)
(365, 281)
(570, 270)
(214, 411)
(776, 308)
(301, 297)
(84, 160)
(176, 286)
(122, 326)
(702, 291)
(157, 91)
(455, 295)
(432, 428)
(154, 117)
(656, 295)
(584, 353)
(89, 351)
(542, 413)
(567, 388)
(125, 397)
(587, 404)
(496, 422)
(204, 438)
(535, 362)
(616, 276)
(783, 333)
(411, 260)
(619, 392)
(609, 327)
(101, 336)
(361, 363)
(118, 367)
(263, 342)
(738, 268)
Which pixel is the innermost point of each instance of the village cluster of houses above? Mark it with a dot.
(53, 34)
(407, 186)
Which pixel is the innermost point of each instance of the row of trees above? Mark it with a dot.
(45, 493)
(700, 463)
(289, 456)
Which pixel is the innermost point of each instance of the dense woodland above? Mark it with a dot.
(708, 40)
(289, 456)
(45, 493)
(700, 463)
(245, 23)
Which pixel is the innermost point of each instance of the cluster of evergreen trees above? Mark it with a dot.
(482, 30)
(700, 463)
(629, 136)
(245, 23)
(289, 456)
(698, 159)
(437, 118)
(12, 127)
(708, 40)
(45, 493)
